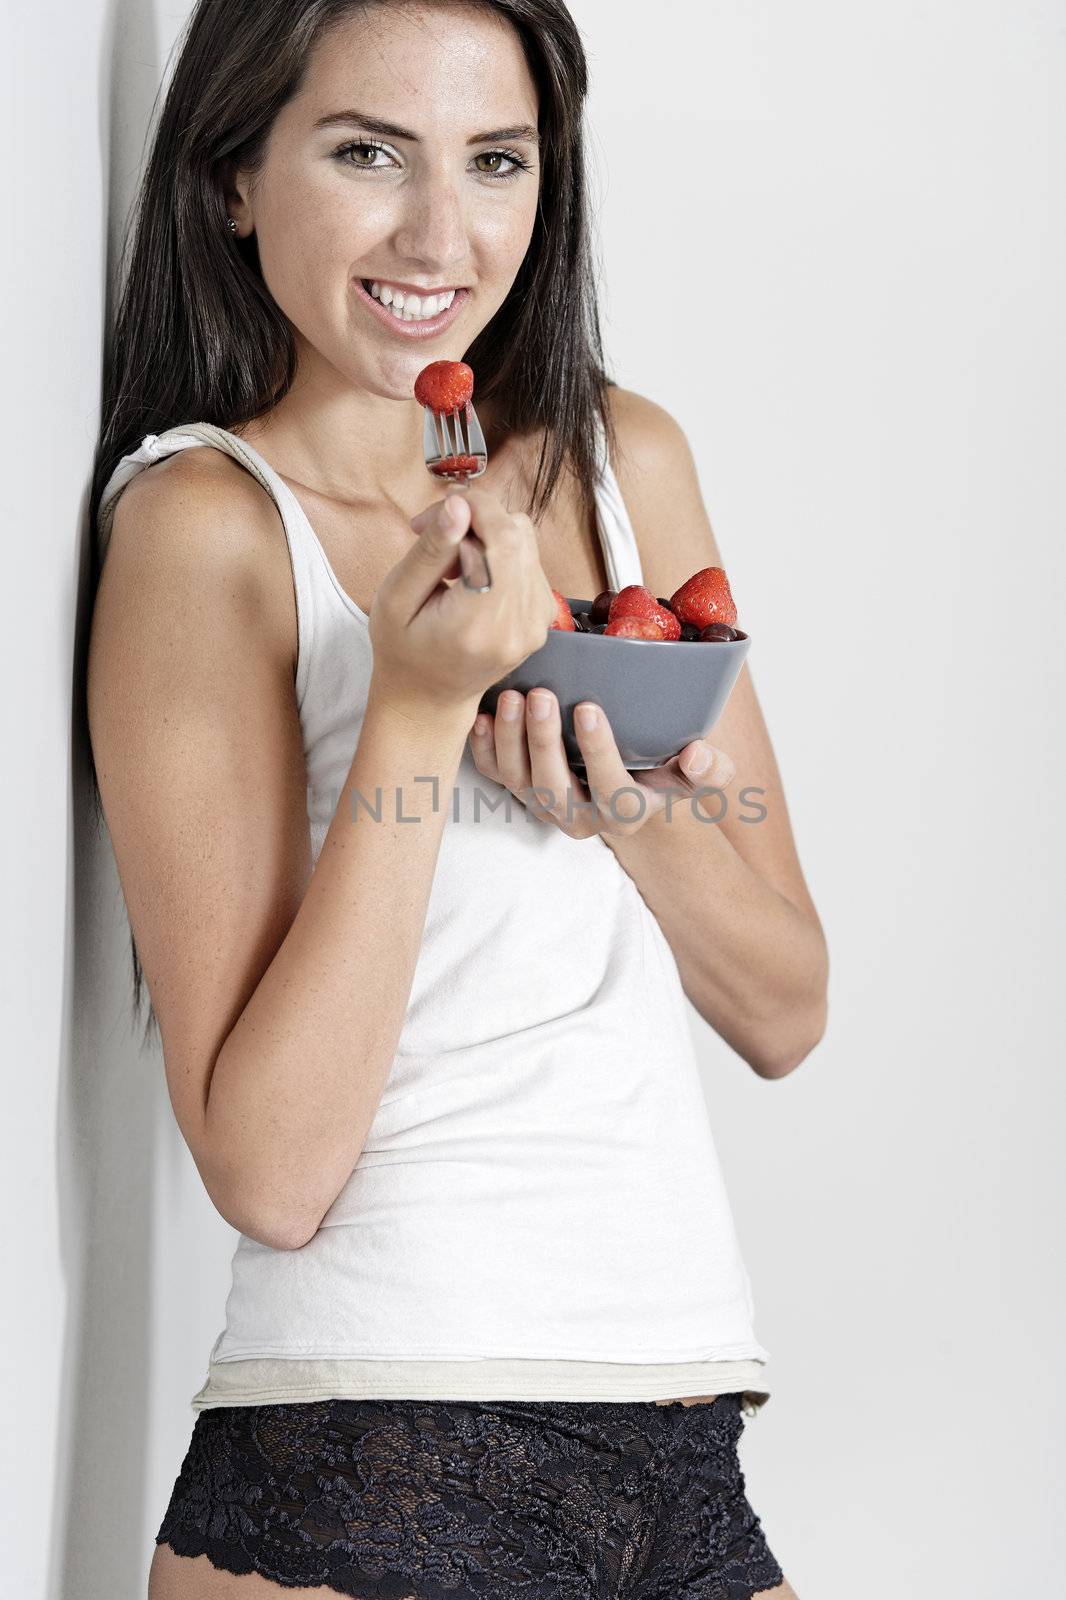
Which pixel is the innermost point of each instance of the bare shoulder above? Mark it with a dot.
(196, 520)
(655, 468)
(197, 486)
(652, 444)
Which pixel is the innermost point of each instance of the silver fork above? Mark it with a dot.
(447, 437)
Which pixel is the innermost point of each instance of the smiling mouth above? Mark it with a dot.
(405, 305)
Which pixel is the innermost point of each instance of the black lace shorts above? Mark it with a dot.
(452, 1500)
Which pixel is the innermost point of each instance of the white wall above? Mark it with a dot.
(91, 1430)
(868, 201)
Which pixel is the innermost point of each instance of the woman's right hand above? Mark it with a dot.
(441, 645)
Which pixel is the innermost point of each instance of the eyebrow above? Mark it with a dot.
(389, 130)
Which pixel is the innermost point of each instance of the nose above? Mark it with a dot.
(432, 230)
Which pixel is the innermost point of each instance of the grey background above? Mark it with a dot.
(833, 246)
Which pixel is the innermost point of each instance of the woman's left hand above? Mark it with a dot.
(526, 754)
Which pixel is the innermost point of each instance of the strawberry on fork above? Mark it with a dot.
(452, 441)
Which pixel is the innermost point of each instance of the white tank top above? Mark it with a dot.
(538, 1210)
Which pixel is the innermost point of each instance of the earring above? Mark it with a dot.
(232, 225)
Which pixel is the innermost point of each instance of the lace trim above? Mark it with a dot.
(438, 1500)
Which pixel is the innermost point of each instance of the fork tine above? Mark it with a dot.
(431, 449)
(438, 446)
(456, 433)
(477, 438)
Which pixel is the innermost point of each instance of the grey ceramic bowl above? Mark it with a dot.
(658, 696)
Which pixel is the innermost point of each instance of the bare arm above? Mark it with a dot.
(298, 1079)
(280, 991)
(730, 895)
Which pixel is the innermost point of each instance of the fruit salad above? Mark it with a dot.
(701, 611)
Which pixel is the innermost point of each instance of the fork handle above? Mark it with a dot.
(475, 559)
(472, 556)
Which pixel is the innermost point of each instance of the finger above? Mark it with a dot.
(483, 746)
(418, 574)
(557, 793)
(448, 508)
(488, 513)
(508, 547)
(621, 805)
(469, 564)
(703, 763)
(512, 751)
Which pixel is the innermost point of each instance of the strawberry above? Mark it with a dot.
(633, 627)
(563, 617)
(705, 598)
(632, 601)
(635, 601)
(450, 464)
(445, 386)
(668, 622)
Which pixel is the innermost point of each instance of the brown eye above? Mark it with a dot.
(351, 155)
(501, 164)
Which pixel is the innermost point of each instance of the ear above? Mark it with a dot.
(236, 191)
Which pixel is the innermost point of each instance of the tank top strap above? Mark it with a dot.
(157, 446)
(621, 556)
(299, 537)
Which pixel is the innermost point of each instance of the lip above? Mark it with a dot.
(414, 330)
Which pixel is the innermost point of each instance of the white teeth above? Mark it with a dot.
(411, 307)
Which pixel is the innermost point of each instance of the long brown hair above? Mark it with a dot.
(198, 336)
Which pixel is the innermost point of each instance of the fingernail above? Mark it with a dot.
(699, 760)
(446, 516)
(481, 726)
(539, 706)
(587, 718)
(451, 525)
(510, 705)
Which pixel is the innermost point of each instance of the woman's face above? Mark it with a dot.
(408, 159)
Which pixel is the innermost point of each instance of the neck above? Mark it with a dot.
(350, 444)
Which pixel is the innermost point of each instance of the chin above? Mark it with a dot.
(397, 371)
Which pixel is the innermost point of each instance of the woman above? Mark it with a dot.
(489, 1331)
